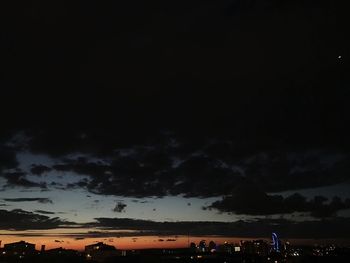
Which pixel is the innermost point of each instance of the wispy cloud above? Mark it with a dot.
(30, 199)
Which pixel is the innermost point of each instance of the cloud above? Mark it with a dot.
(18, 219)
(113, 227)
(34, 199)
(82, 166)
(144, 175)
(204, 168)
(174, 163)
(18, 178)
(326, 228)
(276, 171)
(39, 169)
(119, 207)
(44, 212)
(252, 201)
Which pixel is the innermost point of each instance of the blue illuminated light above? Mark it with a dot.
(275, 242)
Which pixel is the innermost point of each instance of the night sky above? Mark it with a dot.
(151, 124)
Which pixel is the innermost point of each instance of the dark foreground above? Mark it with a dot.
(178, 259)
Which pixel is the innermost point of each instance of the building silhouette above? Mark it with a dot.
(20, 248)
(212, 246)
(100, 252)
(61, 252)
(202, 246)
(257, 247)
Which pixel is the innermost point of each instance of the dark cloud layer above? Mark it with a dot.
(174, 163)
(252, 201)
(18, 219)
(39, 169)
(208, 169)
(19, 179)
(285, 170)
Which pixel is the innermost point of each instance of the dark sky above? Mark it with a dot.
(232, 111)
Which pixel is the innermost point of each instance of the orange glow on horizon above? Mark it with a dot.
(65, 238)
(127, 243)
